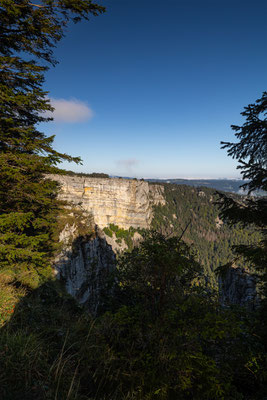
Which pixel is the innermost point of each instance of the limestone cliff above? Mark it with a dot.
(122, 202)
(87, 255)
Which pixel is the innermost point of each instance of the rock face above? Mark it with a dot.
(238, 287)
(122, 202)
(85, 261)
(84, 265)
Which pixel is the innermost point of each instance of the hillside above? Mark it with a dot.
(195, 210)
(226, 185)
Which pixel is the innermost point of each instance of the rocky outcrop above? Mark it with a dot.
(122, 202)
(84, 265)
(218, 222)
(238, 287)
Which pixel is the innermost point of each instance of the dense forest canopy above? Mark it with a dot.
(212, 238)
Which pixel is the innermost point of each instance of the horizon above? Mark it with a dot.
(163, 178)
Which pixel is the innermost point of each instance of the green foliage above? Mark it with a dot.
(195, 211)
(28, 206)
(108, 231)
(251, 148)
(168, 357)
(121, 234)
(156, 271)
(92, 175)
(167, 337)
(251, 153)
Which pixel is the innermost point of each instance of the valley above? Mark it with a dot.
(122, 208)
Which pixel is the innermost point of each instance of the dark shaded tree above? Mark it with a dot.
(251, 149)
(251, 153)
(167, 337)
(157, 272)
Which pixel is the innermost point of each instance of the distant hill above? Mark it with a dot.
(224, 185)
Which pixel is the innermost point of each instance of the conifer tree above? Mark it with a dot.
(28, 33)
(251, 153)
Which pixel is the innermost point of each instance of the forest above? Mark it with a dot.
(163, 333)
(197, 211)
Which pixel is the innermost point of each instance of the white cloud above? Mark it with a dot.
(70, 110)
(127, 164)
(130, 162)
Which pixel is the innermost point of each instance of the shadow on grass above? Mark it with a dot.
(46, 337)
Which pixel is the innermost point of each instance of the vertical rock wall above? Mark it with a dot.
(122, 202)
(85, 261)
(84, 265)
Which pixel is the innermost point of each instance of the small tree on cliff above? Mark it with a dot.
(28, 33)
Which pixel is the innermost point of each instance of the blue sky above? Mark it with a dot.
(150, 88)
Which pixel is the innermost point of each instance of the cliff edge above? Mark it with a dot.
(123, 202)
